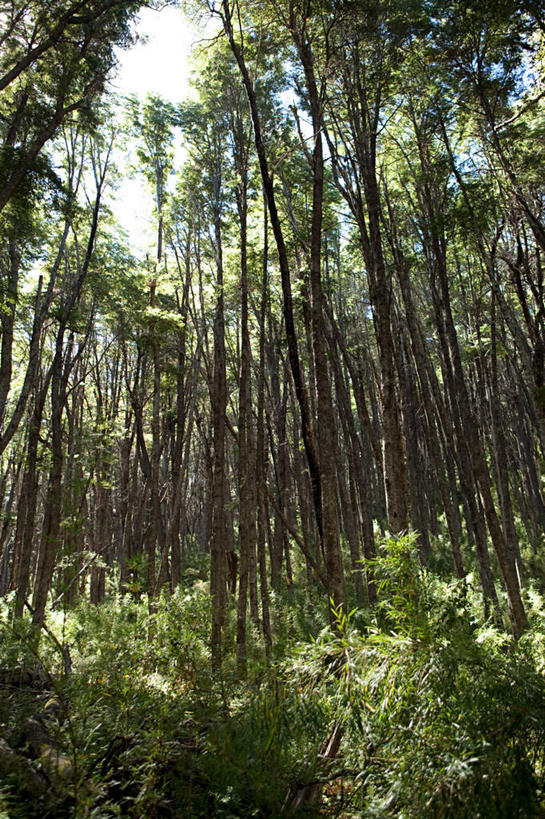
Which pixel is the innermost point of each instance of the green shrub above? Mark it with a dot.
(441, 714)
(441, 718)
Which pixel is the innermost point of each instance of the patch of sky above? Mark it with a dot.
(158, 64)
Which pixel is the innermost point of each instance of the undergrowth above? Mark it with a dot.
(440, 714)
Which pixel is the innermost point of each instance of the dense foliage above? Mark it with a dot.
(439, 715)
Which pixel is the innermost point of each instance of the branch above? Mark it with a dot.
(520, 112)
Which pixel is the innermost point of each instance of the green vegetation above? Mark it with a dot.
(437, 713)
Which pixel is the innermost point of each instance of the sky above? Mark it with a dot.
(158, 64)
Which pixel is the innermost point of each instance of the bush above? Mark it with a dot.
(441, 715)
(442, 718)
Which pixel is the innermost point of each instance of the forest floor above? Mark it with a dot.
(416, 709)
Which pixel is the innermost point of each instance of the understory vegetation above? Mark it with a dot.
(114, 710)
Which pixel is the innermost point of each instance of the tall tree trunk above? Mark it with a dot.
(325, 419)
(49, 542)
(287, 301)
(219, 405)
(260, 470)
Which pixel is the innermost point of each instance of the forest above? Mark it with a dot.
(272, 500)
